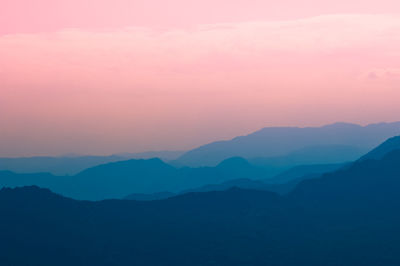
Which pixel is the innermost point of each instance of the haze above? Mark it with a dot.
(104, 77)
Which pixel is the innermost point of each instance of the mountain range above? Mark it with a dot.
(119, 179)
(274, 148)
(146, 179)
(277, 146)
(73, 164)
(345, 217)
(281, 184)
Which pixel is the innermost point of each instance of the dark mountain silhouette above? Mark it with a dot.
(281, 141)
(154, 196)
(364, 183)
(386, 147)
(73, 164)
(347, 217)
(52, 230)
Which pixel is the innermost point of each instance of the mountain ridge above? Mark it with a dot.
(279, 141)
(347, 217)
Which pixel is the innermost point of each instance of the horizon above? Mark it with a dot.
(122, 153)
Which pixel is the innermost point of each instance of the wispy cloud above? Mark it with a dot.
(136, 78)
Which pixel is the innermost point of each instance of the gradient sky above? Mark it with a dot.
(102, 76)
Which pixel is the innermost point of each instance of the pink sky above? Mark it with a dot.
(100, 77)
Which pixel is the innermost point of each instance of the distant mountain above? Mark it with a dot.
(116, 180)
(145, 179)
(312, 155)
(281, 184)
(300, 171)
(163, 155)
(347, 217)
(46, 180)
(152, 176)
(236, 183)
(244, 184)
(383, 149)
(119, 179)
(73, 164)
(55, 165)
(282, 141)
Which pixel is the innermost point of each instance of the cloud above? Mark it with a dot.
(313, 34)
(144, 57)
(207, 58)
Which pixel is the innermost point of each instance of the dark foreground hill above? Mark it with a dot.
(349, 217)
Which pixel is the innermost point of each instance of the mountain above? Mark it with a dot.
(282, 141)
(55, 165)
(116, 180)
(299, 172)
(154, 196)
(364, 183)
(73, 164)
(122, 178)
(347, 217)
(236, 183)
(153, 179)
(242, 184)
(383, 149)
(10, 179)
(281, 184)
(55, 230)
(312, 155)
(152, 176)
(163, 155)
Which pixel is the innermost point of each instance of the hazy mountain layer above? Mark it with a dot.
(119, 179)
(281, 184)
(71, 165)
(338, 142)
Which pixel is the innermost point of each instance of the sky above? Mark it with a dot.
(103, 77)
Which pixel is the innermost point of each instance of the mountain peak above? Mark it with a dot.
(234, 162)
(127, 164)
(342, 125)
(26, 193)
